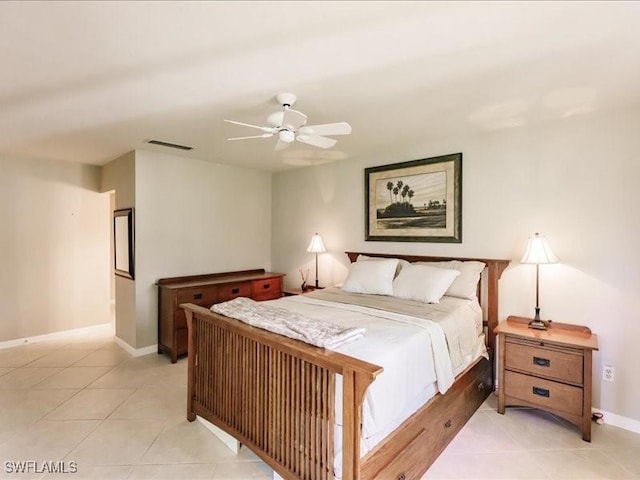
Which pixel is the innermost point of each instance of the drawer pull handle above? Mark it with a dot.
(197, 296)
(447, 424)
(542, 362)
(481, 386)
(235, 290)
(401, 476)
(541, 392)
(266, 285)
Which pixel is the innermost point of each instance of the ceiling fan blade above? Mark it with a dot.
(316, 140)
(293, 119)
(264, 135)
(264, 129)
(340, 128)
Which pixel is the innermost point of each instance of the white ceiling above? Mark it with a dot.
(89, 81)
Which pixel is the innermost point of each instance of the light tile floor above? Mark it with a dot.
(118, 417)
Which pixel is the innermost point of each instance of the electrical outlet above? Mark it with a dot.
(608, 373)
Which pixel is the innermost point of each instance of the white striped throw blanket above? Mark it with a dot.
(290, 324)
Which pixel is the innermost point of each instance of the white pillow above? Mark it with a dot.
(466, 285)
(371, 277)
(423, 283)
(401, 263)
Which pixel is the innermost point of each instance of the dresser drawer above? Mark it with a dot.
(266, 288)
(233, 290)
(203, 296)
(558, 364)
(544, 393)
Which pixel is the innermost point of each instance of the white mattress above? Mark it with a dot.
(410, 350)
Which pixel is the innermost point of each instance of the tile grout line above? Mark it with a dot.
(631, 473)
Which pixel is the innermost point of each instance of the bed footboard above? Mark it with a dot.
(275, 395)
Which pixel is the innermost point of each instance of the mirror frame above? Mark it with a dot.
(123, 243)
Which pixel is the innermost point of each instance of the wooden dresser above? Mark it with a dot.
(205, 290)
(547, 369)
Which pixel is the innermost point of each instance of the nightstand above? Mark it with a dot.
(290, 292)
(547, 369)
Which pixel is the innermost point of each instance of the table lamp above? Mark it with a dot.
(538, 253)
(316, 246)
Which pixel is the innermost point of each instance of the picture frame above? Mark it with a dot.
(415, 201)
(123, 243)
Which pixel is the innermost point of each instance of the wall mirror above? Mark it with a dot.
(123, 244)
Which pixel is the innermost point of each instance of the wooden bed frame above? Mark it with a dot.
(276, 396)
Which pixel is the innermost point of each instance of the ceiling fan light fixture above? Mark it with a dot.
(287, 136)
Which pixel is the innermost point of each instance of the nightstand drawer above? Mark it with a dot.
(543, 393)
(559, 364)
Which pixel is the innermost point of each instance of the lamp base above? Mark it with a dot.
(538, 324)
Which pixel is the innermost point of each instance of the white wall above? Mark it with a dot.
(191, 217)
(54, 246)
(195, 217)
(574, 181)
(118, 177)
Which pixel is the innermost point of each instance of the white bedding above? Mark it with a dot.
(420, 357)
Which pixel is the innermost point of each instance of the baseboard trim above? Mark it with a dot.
(619, 421)
(135, 352)
(104, 328)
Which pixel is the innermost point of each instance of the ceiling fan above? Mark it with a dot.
(289, 125)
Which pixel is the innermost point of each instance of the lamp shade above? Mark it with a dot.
(316, 245)
(538, 251)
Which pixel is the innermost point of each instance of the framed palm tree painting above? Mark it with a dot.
(416, 201)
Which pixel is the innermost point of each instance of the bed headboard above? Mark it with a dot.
(492, 272)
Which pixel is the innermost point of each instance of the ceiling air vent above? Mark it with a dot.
(169, 145)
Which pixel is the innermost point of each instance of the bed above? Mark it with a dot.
(278, 396)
